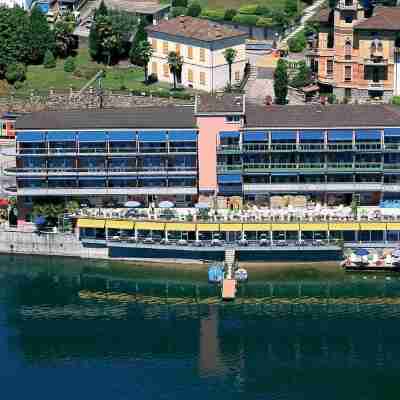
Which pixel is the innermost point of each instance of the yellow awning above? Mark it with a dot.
(344, 226)
(285, 227)
(91, 223)
(256, 227)
(393, 226)
(180, 227)
(322, 226)
(373, 226)
(150, 226)
(230, 227)
(208, 227)
(114, 224)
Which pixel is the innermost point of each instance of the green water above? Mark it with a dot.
(73, 329)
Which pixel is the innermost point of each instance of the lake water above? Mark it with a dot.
(72, 329)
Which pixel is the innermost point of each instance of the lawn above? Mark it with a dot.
(42, 79)
(235, 4)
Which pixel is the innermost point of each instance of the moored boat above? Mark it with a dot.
(362, 260)
(216, 273)
(241, 275)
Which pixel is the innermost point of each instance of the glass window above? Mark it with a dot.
(347, 73)
(190, 52)
(329, 67)
(165, 48)
(202, 55)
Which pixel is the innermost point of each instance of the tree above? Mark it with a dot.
(49, 60)
(179, 3)
(65, 41)
(69, 64)
(229, 14)
(144, 52)
(194, 10)
(16, 73)
(230, 55)
(41, 38)
(140, 36)
(125, 26)
(175, 62)
(281, 82)
(302, 77)
(291, 8)
(297, 43)
(102, 10)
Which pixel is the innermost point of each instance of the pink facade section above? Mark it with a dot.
(209, 128)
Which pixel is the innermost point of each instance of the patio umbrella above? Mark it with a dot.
(166, 204)
(4, 202)
(396, 253)
(362, 252)
(132, 204)
(202, 206)
(39, 220)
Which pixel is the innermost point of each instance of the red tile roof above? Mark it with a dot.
(384, 18)
(195, 28)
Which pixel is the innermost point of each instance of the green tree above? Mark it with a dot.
(140, 36)
(297, 43)
(144, 53)
(49, 60)
(178, 11)
(291, 8)
(41, 37)
(194, 10)
(281, 82)
(179, 3)
(175, 63)
(125, 26)
(302, 77)
(15, 73)
(65, 41)
(230, 55)
(229, 14)
(101, 10)
(69, 64)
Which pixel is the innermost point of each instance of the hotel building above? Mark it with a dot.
(220, 147)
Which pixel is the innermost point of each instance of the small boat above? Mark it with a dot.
(371, 262)
(216, 273)
(241, 275)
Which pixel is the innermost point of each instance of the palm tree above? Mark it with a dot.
(230, 55)
(175, 62)
(144, 52)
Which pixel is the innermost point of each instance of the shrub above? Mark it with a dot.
(396, 100)
(179, 3)
(177, 11)
(69, 64)
(265, 22)
(86, 71)
(245, 19)
(16, 73)
(229, 14)
(262, 10)
(248, 9)
(297, 43)
(181, 95)
(213, 14)
(194, 10)
(49, 60)
(153, 78)
(332, 98)
(302, 77)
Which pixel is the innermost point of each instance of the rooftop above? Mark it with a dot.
(195, 28)
(224, 103)
(139, 7)
(318, 116)
(384, 18)
(128, 118)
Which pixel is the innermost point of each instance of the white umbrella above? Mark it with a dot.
(166, 204)
(132, 204)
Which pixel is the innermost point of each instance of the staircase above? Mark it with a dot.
(230, 261)
(253, 73)
(229, 283)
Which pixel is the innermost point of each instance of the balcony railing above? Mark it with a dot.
(376, 86)
(348, 4)
(229, 148)
(229, 168)
(368, 146)
(175, 149)
(256, 147)
(376, 61)
(283, 146)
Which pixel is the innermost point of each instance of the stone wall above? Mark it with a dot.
(74, 101)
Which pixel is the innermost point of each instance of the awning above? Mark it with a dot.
(344, 226)
(183, 136)
(61, 136)
(175, 227)
(152, 136)
(229, 135)
(95, 136)
(150, 226)
(230, 227)
(122, 136)
(258, 136)
(229, 179)
(91, 223)
(373, 226)
(393, 226)
(370, 134)
(391, 132)
(339, 135)
(312, 135)
(208, 227)
(256, 227)
(114, 224)
(30, 137)
(323, 226)
(283, 135)
(285, 227)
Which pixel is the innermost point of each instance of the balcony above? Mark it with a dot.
(347, 4)
(229, 149)
(256, 147)
(376, 86)
(229, 168)
(376, 61)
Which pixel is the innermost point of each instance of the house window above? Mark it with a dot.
(347, 50)
(347, 93)
(347, 73)
(178, 49)
(190, 52)
(232, 118)
(154, 67)
(202, 78)
(165, 47)
(154, 45)
(202, 55)
(329, 67)
(237, 75)
(190, 76)
(166, 70)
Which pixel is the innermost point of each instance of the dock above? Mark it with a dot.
(229, 283)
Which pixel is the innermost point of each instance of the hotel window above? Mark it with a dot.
(329, 67)
(154, 45)
(165, 47)
(178, 49)
(202, 78)
(190, 76)
(347, 73)
(237, 75)
(190, 52)
(154, 67)
(202, 55)
(166, 70)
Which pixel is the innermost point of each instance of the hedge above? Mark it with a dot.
(248, 9)
(265, 22)
(246, 19)
(213, 14)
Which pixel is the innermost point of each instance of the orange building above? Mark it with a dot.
(357, 53)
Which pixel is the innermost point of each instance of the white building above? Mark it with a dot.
(25, 4)
(202, 44)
